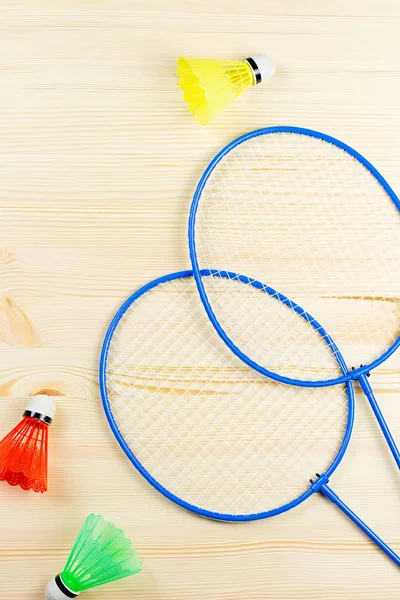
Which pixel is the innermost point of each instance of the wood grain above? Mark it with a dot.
(98, 160)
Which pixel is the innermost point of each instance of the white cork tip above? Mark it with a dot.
(53, 592)
(44, 405)
(266, 66)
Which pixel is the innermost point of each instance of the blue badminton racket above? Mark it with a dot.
(203, 428)
(312, 218)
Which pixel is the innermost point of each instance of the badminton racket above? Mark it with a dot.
(312, 218)
(203, 428)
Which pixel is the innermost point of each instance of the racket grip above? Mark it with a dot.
(328, 492)
(367, 389)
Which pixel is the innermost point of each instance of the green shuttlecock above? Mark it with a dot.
(101, 554)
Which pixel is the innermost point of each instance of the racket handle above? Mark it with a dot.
(367, 389)
(328, 492)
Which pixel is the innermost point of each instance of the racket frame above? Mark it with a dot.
(142, 469)
(353, 374)
(318, 486)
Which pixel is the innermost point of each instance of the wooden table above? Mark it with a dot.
(99, 158)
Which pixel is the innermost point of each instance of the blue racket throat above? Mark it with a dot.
(197, 423)
(298, 209)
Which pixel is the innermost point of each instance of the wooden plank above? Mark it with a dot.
(99, 159)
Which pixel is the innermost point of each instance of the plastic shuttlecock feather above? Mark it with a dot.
(23, 452)
(101, 554)
(210, 85)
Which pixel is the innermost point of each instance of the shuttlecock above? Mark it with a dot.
(101, 554)
(210, 85)
(23, 452)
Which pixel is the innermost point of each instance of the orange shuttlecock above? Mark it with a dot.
(23, 452)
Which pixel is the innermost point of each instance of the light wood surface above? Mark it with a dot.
(99, 158)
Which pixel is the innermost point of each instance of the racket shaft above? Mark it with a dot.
(333, 497)
(367, 389)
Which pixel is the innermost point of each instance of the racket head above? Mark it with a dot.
(218, 256)
(175, 366)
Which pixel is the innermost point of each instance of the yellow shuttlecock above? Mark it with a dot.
(210, 85)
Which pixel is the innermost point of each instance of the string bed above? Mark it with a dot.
(313, 219)
(204, 428)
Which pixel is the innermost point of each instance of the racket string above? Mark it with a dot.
(207, 427)
(308, 219)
